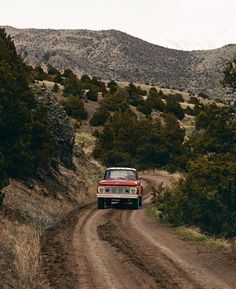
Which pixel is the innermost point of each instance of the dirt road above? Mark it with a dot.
(121, 248)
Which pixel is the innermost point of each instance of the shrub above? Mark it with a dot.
(203, 95)
(117, 101)
(112, 85)
(92, 94)
(99, 117)
(178, 97)
(145, 108)
(172, 106)
(38, 73)
(194, 100)
(75, 108)
(72, 86)
(52, 70)
(55, 87)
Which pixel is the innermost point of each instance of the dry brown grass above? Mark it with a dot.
(27, 257)
(22, 242)
(162, 173)
(41, 212)
(233, 247)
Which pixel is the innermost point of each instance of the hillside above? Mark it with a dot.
(113, 54)
(55, 139)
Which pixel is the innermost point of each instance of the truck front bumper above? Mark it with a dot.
(117, 196)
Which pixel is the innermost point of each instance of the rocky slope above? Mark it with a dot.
(113, 54)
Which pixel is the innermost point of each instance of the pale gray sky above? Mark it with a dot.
(181, 24)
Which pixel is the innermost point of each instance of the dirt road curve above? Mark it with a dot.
(124, 249)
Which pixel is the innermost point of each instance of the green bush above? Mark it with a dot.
(154, 100)
(194, 100)
(55, 87)
(38, 73)
(74, 106)
(72, 86)
(113, 86)
(178, 97)
(117, 101)
(99, 117)
(52, 70)
(173, 106)
(92, 94)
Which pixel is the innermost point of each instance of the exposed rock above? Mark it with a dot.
(60, 128)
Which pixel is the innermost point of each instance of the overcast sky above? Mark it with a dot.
(181, 24)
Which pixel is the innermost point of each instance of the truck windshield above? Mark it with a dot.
(121, 174)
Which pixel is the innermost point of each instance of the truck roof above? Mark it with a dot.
(121, 168)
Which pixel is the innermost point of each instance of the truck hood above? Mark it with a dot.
(112, 182)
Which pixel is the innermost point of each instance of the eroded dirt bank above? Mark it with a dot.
(122, 248)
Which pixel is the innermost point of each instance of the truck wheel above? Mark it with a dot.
(100, 203)
(140, 201)
(135, 204)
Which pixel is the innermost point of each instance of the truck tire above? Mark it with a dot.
(135, 204)
(140, 201)
(101, 203)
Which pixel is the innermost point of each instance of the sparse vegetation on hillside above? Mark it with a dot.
(113, 55)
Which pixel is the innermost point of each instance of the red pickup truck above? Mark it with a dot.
(120, 184)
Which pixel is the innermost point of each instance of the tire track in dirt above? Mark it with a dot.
(100, 266)
(125, 260)
(142, 254)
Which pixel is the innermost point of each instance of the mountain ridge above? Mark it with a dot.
(112, 54)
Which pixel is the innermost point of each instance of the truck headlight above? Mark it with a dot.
(133, 190)
(101, 190)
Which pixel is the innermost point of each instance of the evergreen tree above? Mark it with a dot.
(172, 106)
(52, 70)
(72, 86)
(85, 81)
(68, 73)
(39, 74)
(230, 75)
(75, 108)
(55, 87)
(25, 141)
(92, 94)
(112, 85)
(100, 117)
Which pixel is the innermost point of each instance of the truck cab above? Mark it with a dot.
(120, 185)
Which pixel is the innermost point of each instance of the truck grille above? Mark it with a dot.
(118, 190)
